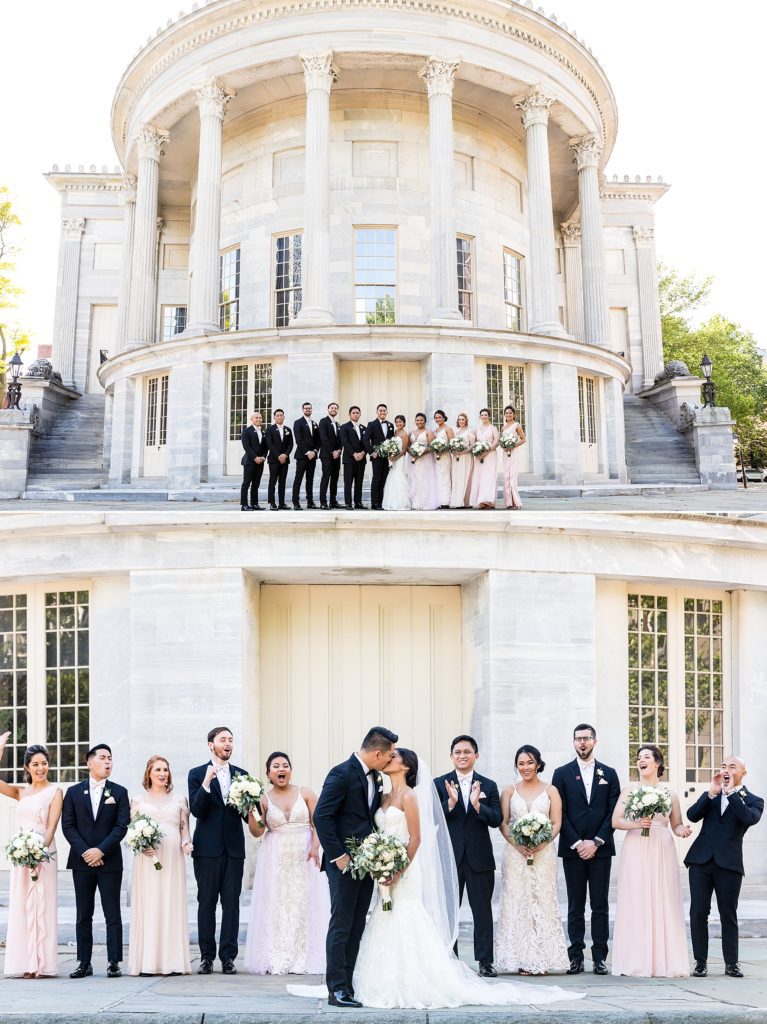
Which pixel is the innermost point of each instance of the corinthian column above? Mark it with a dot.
(649, 304)
(588, 150)
(439, 76)
(319, 76)
(141, 318)
(126, 267)
(64, 347)
(571, 241)
(544, 313)
(212, 99)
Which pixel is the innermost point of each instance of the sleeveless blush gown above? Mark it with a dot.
(484, 484)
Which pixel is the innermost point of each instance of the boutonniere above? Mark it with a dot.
(600, 773)
(742, 793)
(379, 782)
(577, 778)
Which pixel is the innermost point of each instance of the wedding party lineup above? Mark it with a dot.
(424, 842)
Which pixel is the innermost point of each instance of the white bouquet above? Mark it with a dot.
(245, 792)
(381, 857)
(458, 445)
(143, 834)
(27, 849)
(438, 446)
(387, 449)
(480, 450)
(530, 830)
(646, 801)
(417, 449)
(508, 442)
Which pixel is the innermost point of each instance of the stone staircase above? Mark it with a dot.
(70, 456)
(656, 453)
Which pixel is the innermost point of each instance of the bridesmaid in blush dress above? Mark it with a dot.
(31, 948)
(290, 903)
(511, 458)
(460, 490)
(443, 463)
(484, 485)
(650, 935)
(159, 934)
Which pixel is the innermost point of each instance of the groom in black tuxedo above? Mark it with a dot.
(715, 861)
(378, 431)
(94, 820)
(589, 792)
(350, 797)
(219, 852)
(472, 807)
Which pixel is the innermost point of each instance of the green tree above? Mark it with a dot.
(384, 311)
(12, 338)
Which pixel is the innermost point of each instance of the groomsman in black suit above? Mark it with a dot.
(307, 438)
(472, 807)
(353, 444)
(330, 456)
(589, 792)
(253, 440)
(219, 852)
(378, 431)
(94, 821)
(279, 443)
(715, 861)
(350, 797)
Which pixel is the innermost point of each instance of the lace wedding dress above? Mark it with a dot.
(396, 496)
(529, 934)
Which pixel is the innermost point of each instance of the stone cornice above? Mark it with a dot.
(527, 26)
(647, 191)
(84, 182)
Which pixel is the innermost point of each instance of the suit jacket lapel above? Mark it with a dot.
(579, 779)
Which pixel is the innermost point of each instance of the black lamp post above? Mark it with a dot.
(14, 388)
(709, 394)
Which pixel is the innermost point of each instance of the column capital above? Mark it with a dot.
(150, 141)
(571, 234)
(129, 185)
(73, 229)
(534, 105)
(643, 237)
(439, 75)
(588, 150)
(212, 98)
(319, 71)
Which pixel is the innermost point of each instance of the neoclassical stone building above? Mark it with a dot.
(358, 201)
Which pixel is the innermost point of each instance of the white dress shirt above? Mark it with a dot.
(725, 802)
(358, 429)
(96, 789)
(464, 784)
(224, 776)
(587, 774)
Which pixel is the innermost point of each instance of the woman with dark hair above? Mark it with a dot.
(290, 902)
(422, 472)
(516, 438)
(32, 942)
(529, 936)
(484, 483)
(396, 496)
(159, 933)
(443, 463)
(650, 934)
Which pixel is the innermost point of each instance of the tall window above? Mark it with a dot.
(250, 390)
(512, 290)
(156, 411)
(287, 278)
(173, 321)
(648, 674)
(587, 409)
(506, 386)
(375, 276)
(13, 683)
(703, 687)
(229, 290)
(465, 268)
(67, 681)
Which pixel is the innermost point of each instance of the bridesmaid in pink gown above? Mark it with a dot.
(484, 484)
(290, 903)
(32, 941)
(511, 458)
(463, 465)
(650, 935)
(159, 934)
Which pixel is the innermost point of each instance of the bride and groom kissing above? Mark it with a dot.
(402, 958)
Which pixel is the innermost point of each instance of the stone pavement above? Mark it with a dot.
(246, 999)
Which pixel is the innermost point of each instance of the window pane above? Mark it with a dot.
(375, 275)
(648, 675)
(66, 683)
(13, 682)
(229, 290)
(287, 278)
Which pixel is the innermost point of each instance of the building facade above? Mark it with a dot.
(375, 201)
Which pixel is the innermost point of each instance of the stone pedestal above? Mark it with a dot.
(711, 434)
(51, 398)
(15, 438)
(672, 395)
(188, 416)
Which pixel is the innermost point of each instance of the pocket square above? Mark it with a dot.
(483, 796)
(110, 800)
(603, 782)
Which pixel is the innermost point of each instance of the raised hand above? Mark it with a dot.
(210, 775)
(474, 796)
(716, 784)
(452, 794)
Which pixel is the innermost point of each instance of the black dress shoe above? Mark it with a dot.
(576, 967)
(246, 508)
(82, 971)
(600, 967)
(113, 971)
(257, 508)
(487, 971)
(227, 967)
(700, 970)
(206, 966)
(733, 971)
(283, 508)
(272, 506)
(310, 504)
(335, 504)
(297, 507)
(363, 508)
(349, 508)
(323, 506)
(344, 998)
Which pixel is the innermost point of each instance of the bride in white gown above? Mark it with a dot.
(406, 958)
(396, 497)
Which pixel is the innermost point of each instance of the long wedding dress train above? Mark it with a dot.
(396, 496)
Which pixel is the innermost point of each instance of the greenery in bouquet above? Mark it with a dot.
(380, 856)
(530, 830)
(27, 849)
